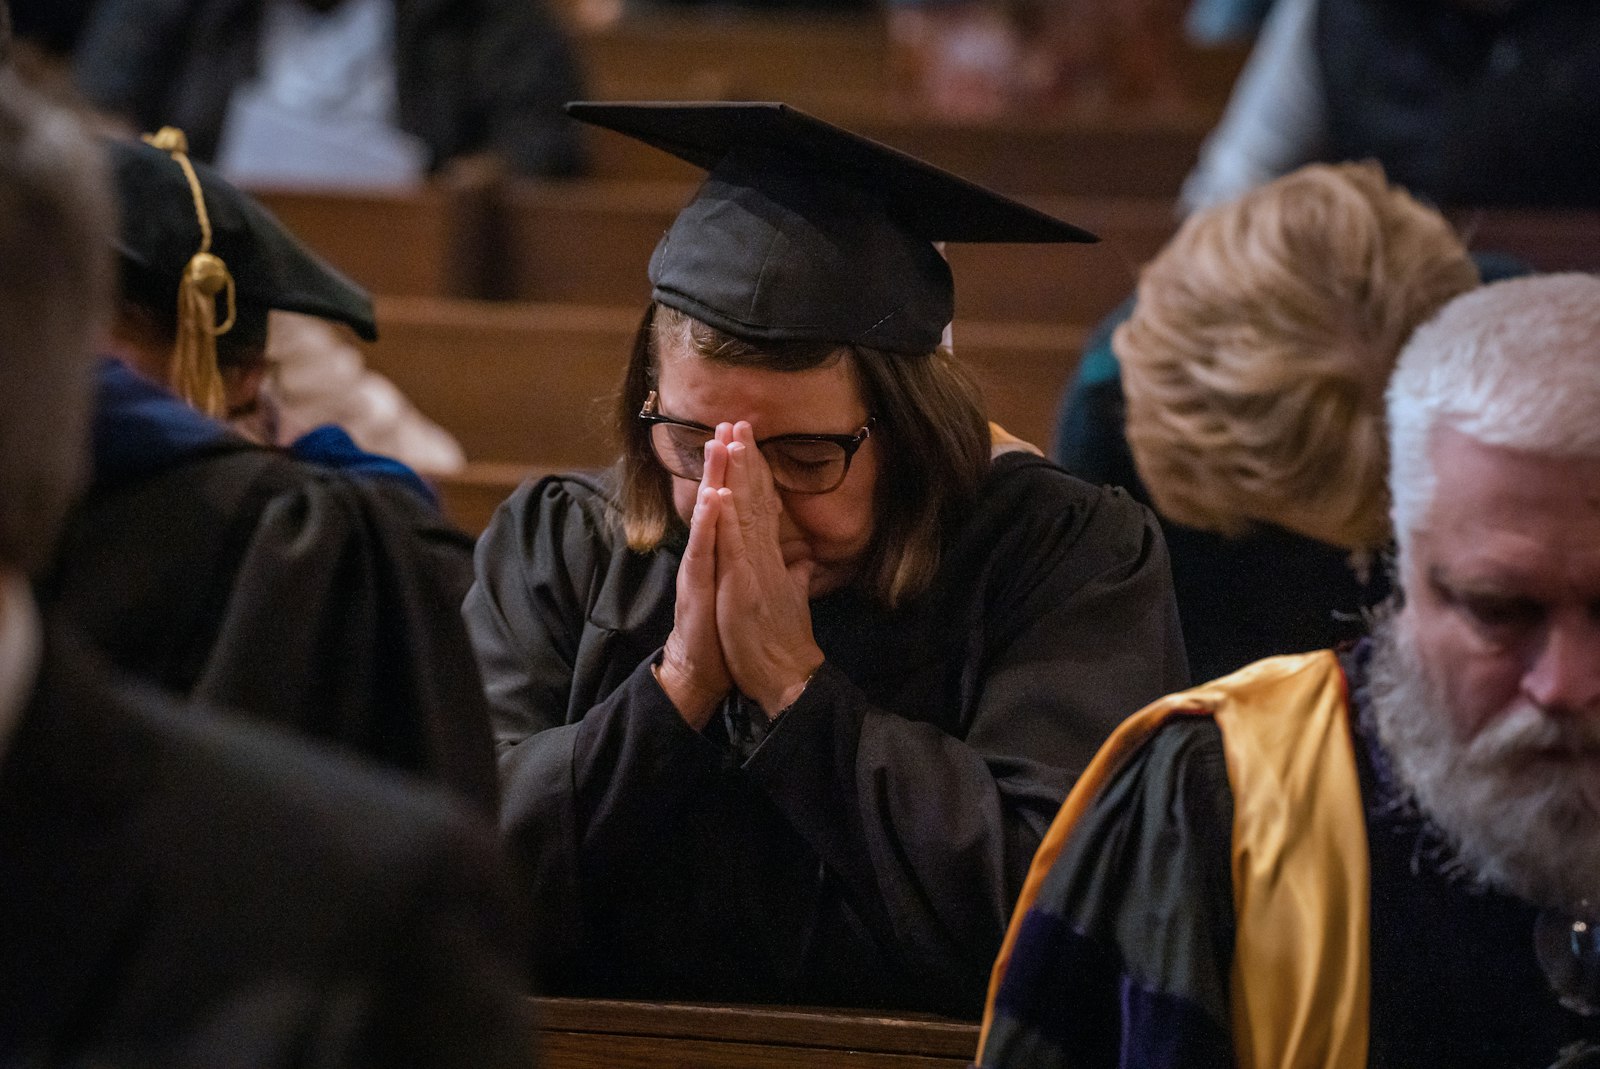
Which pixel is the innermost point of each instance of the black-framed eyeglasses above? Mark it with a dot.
(800, 463)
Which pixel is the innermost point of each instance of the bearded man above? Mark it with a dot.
(1383, 856)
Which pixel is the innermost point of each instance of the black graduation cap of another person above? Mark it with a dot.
(192, 241)
(804, 231)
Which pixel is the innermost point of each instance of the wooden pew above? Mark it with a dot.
(470, 496)
(845, 68)
(1109, 156)
(424, 242)
(533, 384)
(590, 243)
(514, 382)
(601, 1034)
(685, 56)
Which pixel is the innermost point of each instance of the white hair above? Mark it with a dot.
(1513, 364)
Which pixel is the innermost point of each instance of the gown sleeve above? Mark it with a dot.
(1124, 957)
(340, 617)
(579, 784)
(237, 577)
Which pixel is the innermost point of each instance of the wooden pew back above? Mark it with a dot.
(590, 243)
(517, 383)
(804, 61)
(845, 67)
(592, 1033)
(534, 384)
(427, 242)
(470, 497)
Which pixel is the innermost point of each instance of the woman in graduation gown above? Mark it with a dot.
(785, 699)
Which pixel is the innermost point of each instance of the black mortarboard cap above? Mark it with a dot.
(804, 231)
(270, 267)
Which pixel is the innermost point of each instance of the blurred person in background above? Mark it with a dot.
(318, 586)
(1465, 103)
(341, 93)
(1240, 394)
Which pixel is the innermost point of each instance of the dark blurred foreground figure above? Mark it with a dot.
(340, 92)
(317, 587)
(180, 890)
(51, 25)
(1464, 102)
(784, 700)
(1241, 396)
(1386, 857)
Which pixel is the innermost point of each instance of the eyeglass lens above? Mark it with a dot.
(800, 466)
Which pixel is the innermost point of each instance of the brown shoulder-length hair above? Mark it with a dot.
(928, 425)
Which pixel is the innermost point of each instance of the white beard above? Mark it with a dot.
(1517, 820)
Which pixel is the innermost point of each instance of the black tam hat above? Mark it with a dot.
(804, 231)
(191, 241)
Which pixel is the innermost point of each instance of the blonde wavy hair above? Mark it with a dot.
(1255, 361)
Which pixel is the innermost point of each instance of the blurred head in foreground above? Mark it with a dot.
(56, 227)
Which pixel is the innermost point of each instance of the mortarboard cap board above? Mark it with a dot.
(271, 269)
(803, 231)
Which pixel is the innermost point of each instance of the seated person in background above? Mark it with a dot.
(1386, 857)
(1253, 363)
(1463, 102)
(340, 92)
(181, 890)
(238, 574)
(784, 700)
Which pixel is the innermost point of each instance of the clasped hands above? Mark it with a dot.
(743, 616)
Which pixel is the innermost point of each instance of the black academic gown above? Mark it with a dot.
(868, 851)
(182, 890)
(243, 578)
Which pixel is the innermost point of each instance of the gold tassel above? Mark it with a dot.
(194, 375)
